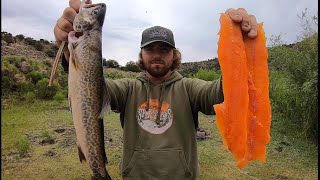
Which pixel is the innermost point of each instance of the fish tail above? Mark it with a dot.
(81, 155)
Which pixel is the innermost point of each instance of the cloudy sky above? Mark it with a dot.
(195, 24)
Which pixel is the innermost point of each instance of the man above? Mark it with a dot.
(159, 109)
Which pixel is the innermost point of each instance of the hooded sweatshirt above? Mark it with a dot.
(159, 124)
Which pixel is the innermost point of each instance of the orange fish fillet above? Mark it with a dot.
(231, 121)
(259, 115)
(246, 136)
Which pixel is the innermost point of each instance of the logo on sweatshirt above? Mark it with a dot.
(147, 116)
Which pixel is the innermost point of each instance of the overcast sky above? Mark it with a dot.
(195, 24)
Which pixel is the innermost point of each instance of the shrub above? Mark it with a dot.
(59, 96)
(43, 91)
(30, 97)
(30, 41)
(295, 93)
(208, 75)
(35, 76)
(132, 66)
(6, 85)
(44, 41)
(112, 73)
(38, 46)
(46, 134)
(25, 87)
(14, 60)
(110, 63)
(23, 145)
(20, 37)
(7, 37)
(50, 53)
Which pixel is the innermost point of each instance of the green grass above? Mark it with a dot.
(24, 125)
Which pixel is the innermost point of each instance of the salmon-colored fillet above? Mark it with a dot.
(259, 116)
(232, 113)
(244, 118)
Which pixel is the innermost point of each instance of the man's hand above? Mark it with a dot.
(65, 24)
(248, 22)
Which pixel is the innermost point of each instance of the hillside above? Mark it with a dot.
(23, 49)
(28, 48)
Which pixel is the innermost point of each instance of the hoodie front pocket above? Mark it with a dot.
(157, 164)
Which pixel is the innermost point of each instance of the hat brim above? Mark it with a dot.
(149, 42)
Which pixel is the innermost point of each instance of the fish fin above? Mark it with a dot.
(81, 155)
(104, 155)
(105, 99)
(73, 58)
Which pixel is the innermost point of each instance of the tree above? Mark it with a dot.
(20, 37)
(110, 63)
(132, 66)
(7, 37)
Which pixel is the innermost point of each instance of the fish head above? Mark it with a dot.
(89, 15)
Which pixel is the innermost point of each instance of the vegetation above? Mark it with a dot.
(28, 78)
(37, 129)
(207, 74)
(132, 66)
(110, 63)
(43, 133)
(294, 79)
(7, 37)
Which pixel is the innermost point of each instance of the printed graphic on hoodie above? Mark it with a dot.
(147, 116)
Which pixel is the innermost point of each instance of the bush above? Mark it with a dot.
(59, 96)
(50, 53)
(23, 145)
(7, 37)
(8, 71)
(44, 41)
(110, 63)
(208, 75)
(43, 91)
(25, 87)
(6, 85)
(30, 97)
(35, 76)
(38, 46)
(30, 41)
(132, 66)
(14, 60)
(294, 93)
(112, 73)
(20, 37)
(46, 134)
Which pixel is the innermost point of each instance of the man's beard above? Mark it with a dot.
(158, 71)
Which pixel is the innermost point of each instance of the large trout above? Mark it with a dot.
(87, 92)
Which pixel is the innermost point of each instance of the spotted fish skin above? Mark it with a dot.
(87, 93)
